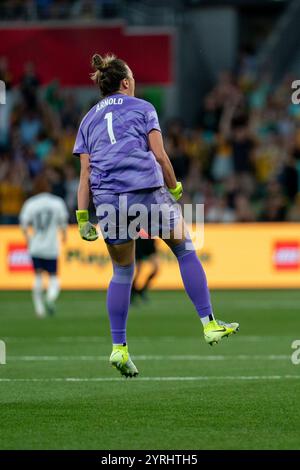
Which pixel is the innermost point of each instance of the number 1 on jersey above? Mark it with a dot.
(108, 117)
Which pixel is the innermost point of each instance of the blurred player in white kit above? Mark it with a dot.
(42, 217)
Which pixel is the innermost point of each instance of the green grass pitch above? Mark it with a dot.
(57, 390)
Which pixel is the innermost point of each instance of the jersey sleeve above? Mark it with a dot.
(152, 122)
(80, 142)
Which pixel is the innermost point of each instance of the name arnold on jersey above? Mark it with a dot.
(108, 101)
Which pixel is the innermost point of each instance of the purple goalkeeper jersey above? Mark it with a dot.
(115, 135)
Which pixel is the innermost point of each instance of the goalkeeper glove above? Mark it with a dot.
(86, 229)
(177, 192)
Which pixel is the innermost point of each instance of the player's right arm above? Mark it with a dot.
(26, 234)
(25, 222)
(156, 145)
(84, 185)
(86, 229)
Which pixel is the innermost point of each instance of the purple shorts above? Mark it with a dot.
(122, 216)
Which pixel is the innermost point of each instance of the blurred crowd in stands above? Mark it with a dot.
(242, 158)
(31, 10)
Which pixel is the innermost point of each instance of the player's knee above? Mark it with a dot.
(183, 248)
(53, 278)
(123, 274)
(38, 281)
(53, 281)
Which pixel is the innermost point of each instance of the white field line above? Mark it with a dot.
(156, 379)
(139, 339)
(263, 305)
(240, 357)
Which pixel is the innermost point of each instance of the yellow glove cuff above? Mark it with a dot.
(177, 192)
(82, 216)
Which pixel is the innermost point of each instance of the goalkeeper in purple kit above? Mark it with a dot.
(123, 158)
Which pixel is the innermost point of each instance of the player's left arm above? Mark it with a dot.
(156, 145)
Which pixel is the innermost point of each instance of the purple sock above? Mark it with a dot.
(118, 298)
(194, 279)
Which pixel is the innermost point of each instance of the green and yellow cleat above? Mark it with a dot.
(215, 330)
(120, 359)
